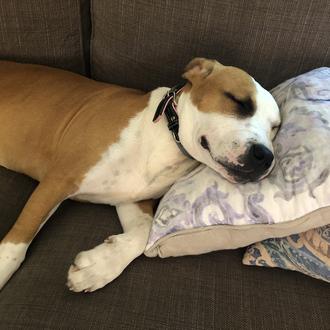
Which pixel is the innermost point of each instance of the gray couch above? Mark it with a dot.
(144, 44)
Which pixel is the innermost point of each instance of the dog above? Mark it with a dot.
(102, 143)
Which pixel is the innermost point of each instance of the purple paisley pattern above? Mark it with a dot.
(221, 212)
(255, 212)
(203, 198)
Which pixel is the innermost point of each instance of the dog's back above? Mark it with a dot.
(33, 107)
(38, 105)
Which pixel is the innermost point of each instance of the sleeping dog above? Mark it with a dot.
(102, 143)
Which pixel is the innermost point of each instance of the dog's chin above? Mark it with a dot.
(240, 177)
(227, 174)
(234, 178)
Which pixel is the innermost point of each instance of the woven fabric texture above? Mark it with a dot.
(146, 44)
(46, 32)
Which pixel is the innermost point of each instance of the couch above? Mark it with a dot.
(144, 44)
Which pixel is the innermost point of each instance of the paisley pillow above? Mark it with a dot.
(308, 253)
(203, 212)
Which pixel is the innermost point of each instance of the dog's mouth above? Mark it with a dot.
(233, 168)
(235, 173)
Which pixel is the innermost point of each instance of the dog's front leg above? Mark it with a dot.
(95, 268)
(41, 205)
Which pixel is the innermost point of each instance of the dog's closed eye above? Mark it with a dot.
(245, 107)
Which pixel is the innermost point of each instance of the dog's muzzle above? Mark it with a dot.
(256, 162)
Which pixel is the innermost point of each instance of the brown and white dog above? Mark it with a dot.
(96, 142)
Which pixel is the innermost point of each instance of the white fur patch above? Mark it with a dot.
(142, 164)
(95, 268)
(11, 256)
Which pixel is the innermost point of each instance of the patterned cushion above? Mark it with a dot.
(308, 253)
(203, 212)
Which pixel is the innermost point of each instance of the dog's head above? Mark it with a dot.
(228, 121)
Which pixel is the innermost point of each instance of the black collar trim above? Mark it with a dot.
(168, 107)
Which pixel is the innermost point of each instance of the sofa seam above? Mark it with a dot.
(85, 34)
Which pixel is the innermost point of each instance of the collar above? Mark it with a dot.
(168, 106)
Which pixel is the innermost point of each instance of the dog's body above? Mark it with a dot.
(96, 142)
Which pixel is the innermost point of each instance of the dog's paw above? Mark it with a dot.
(11, 257)
(95, 268)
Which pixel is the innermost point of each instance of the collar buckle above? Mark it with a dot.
(173, 125)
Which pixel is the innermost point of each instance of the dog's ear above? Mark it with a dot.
(199, 68)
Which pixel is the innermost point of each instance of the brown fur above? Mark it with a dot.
(46, 197)
(73, 118)
(211, 81)
(54, 126)
(147, 206)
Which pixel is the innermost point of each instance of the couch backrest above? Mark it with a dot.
(147, 43)
(50, 32)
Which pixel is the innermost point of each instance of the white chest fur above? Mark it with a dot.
(143, 164)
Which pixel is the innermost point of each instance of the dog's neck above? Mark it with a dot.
(168, 108)
(159, 136)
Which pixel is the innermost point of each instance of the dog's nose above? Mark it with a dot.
(260, 157)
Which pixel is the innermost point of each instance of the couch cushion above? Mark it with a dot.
(211, 291)
(47, 32)
(147, 43)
